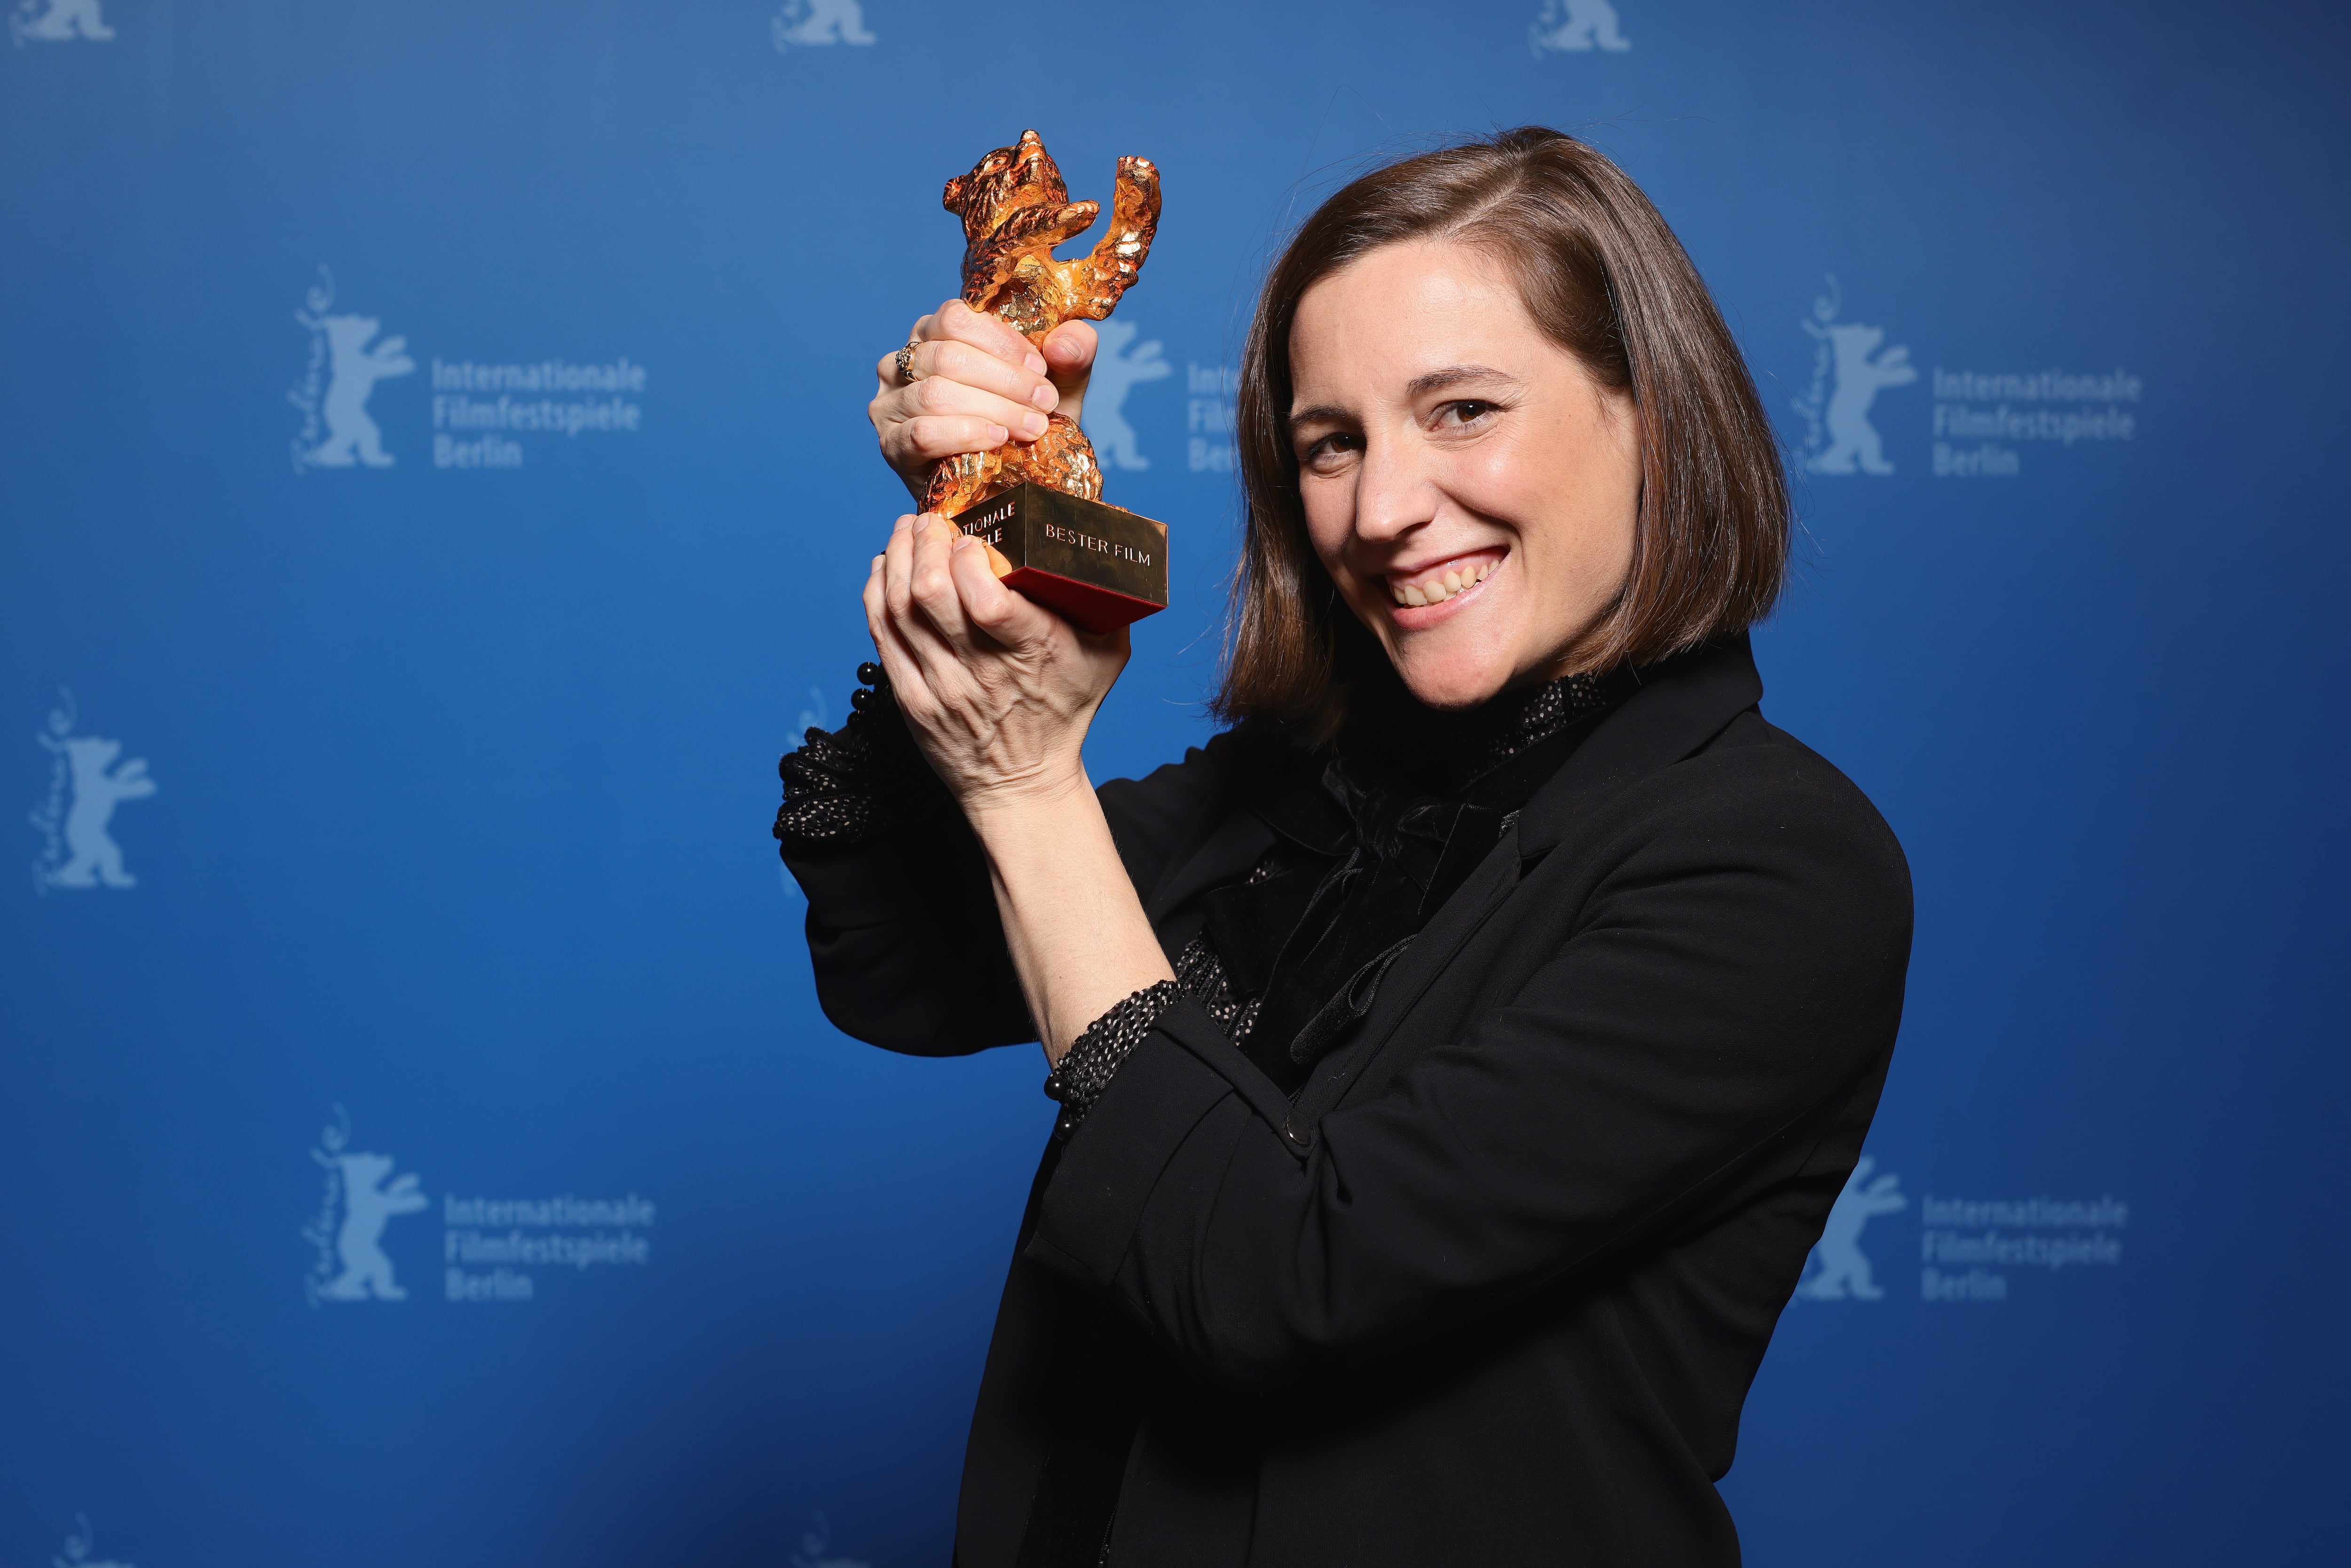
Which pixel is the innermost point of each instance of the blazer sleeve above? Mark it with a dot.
(1738, 966)
(902, 929)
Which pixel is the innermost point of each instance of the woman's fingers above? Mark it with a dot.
(918, 442)
(977, 384)
(955, 321)
(1070, 363)
(947, 394)
(932, 581)
(1008, 620)
(1022, 383)
(924, 663)
(898, 661)
(898, 570)
(971, 347)
(919, 605)
(955, 379)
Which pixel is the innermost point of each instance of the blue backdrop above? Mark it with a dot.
(437, 484)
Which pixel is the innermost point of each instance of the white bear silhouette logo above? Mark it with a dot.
(355, 1182)
(341, 352)
(368, 1207)
(1848, 372)
(1842, 1272)
(353, 370)
(807, 22)
(81, 853)
(1576, 27)
(64, 20)
(79, 1545)
(1115, 373)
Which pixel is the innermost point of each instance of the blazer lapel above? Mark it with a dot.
(1683, 703)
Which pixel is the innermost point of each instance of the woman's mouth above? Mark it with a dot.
(1428, 587)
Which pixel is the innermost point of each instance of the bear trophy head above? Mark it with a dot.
(1015, 207)
(1021, 178)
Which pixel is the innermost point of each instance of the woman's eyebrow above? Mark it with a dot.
(1420, 386)
(1453, 376)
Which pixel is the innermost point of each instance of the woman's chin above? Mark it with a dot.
(1458, 681)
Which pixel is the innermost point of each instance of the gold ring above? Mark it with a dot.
(906, 364)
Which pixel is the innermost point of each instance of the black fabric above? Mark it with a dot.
(843, 788)
(1411, 803)
(1374, 850)
(1491, 1284)
(1086, 1069)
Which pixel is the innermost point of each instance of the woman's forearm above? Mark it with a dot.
(1077, 935)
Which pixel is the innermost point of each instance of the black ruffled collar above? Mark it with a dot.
(1443, 753)
(1407, 805)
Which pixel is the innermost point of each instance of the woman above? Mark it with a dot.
(1459, 1054)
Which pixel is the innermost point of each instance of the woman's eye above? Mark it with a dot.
(1467, 411)
(1332, 449)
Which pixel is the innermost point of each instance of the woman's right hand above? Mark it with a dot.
(977, 384)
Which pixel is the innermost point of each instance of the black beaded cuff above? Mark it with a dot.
(840, 788)
(1096, 1055)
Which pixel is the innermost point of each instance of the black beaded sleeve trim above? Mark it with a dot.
(842, 788)
(1096, 1055)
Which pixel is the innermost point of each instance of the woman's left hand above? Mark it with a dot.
(997, 690)
(998, 693)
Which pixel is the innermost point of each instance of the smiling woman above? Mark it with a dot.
(1629, 429)
(1508, 481)
(1459, 1054)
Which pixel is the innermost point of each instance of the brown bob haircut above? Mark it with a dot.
(1605, 279)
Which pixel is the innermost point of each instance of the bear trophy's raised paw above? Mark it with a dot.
(1016, 208)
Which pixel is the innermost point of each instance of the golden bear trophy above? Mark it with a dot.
(1038, 504)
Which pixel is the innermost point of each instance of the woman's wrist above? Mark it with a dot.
(1077, 933)
(1012, 805)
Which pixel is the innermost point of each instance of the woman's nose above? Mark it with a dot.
(1395, 492)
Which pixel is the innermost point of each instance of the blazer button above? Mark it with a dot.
(1300, 1138)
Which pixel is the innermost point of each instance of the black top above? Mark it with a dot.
(1488, 1276)
(1290, 957)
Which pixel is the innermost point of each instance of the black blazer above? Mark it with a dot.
(1494, 1288)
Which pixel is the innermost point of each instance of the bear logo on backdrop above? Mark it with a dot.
(78, 1546)
(479, 407)
(1849, 370)
(804, 24)
(360, 1198)
(488, 1244)
(87, 779)
(1838, 1270)
(57, 22)
(1576, 28)
(345, 361)
(1965, 1244)
(1119, 363)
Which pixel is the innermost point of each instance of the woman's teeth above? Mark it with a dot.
(1444, 585)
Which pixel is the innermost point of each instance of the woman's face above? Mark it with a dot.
(1468, 483)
